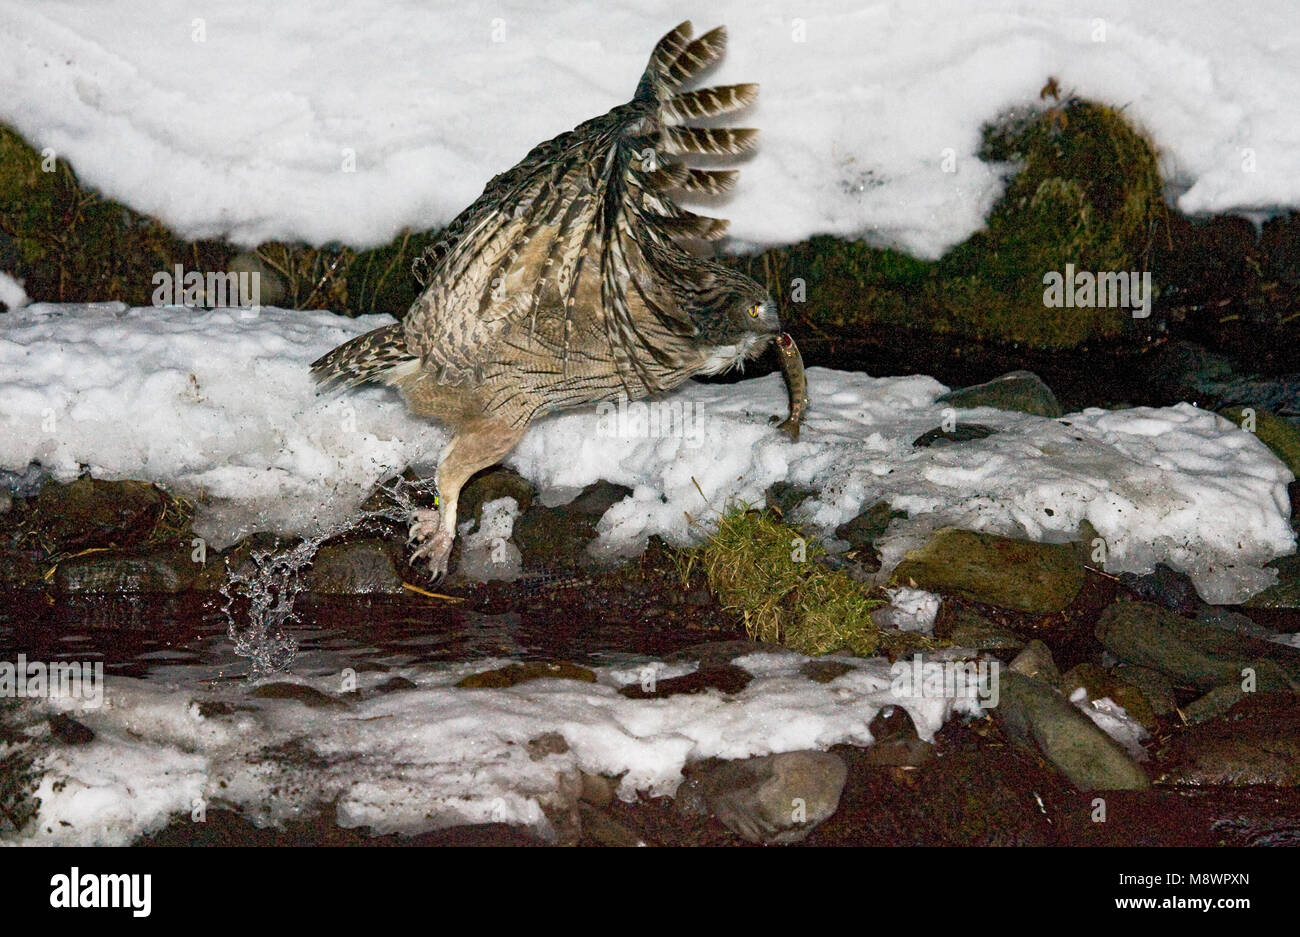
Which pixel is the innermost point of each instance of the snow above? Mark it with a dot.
(348, 122)
(218, 405)
(429, 757)
(11, 292)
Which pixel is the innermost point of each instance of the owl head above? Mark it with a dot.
(737, 320)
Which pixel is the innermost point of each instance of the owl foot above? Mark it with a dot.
(434, 542)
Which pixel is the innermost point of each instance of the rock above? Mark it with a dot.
(1256, 742)
(359, 567)
(964, 432)
(965, 628)
(308, 696)
(1285, 593)
(90, 512)
(546, 745)
(1036, 716)
(393, 684)
(492, 485)
(1278, 433)
(1213, 704)
(167, 568)
(1191, 653)
(862, 531)
(1153, 685)
(824, 671)
(1165, 587)
(1099, 684)
(769, 799)
(598, 789)
(1036, 661)
(515, 674)
(1022, 391)
(69, 731)
(1014, 574)
(785, 497)
(1219, 617)
(551, 537)
(600, 827)
(725, 678)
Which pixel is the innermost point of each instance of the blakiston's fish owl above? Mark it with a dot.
(570, 281)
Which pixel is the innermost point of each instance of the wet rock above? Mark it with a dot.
(1278, 433)
(69, 731)
(785, 497)
(1164, 586)
(965, 628)
(308, 696)
(1036, 661)
(492, 485)
(1014, 574)
(90, 512)
(824, 671)
(546, 745)
(1154, 686)
(1219, 617)
(515, 674)
(167, 568)
(864, 530)
(964, 432)
(1099, 684)
(1256, 742)
(1022, 391)
(598, 789)
(770, 799)
(1036, 716)
(725, 678)
(1285, 593)
(601, 828)
(552, 537)
(393, 684)
(1213, 704)
(1191, 653)
(894, 742)
(360, 567)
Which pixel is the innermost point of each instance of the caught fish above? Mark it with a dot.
(796, 384)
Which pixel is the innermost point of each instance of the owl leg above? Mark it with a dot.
(477, 444)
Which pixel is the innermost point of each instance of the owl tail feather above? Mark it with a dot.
(370, 357)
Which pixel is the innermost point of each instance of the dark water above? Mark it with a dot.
(136, 635)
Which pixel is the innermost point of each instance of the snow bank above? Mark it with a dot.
(218, 405)
(349, 122)
(429, 757)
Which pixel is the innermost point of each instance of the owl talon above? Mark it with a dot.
(434, 543)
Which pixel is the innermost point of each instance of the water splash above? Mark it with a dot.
(269, 584)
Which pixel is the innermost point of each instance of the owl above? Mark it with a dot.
(575, 278)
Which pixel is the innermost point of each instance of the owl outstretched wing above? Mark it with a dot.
(572, 265)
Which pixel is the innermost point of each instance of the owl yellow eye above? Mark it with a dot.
(753, 310)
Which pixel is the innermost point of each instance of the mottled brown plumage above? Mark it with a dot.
(571, 280)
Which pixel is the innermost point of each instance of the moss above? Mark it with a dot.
(769, 573)
(1087, 191)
